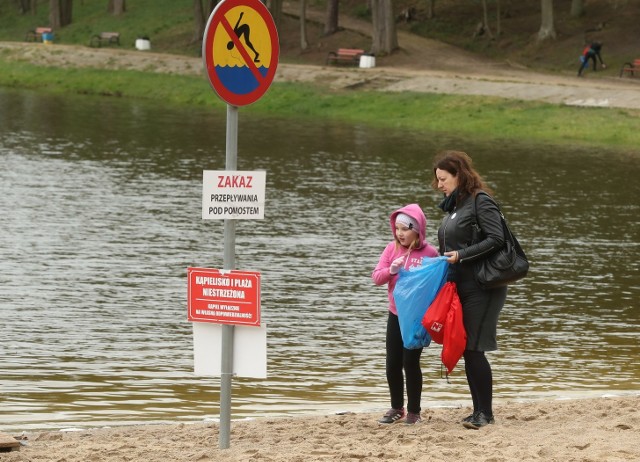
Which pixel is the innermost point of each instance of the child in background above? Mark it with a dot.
(407, 249)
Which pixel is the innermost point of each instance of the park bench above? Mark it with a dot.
(345, 56)
(35, 35)
(632, 68)
(108, 38)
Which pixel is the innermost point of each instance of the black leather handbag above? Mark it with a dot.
(505, 266)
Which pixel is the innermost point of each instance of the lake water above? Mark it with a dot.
(100, 201)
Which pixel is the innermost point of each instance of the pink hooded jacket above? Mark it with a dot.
(393, 250)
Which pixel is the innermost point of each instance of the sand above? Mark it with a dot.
(594, 429)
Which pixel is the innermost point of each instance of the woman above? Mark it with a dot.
(455, 176)
(407, 249)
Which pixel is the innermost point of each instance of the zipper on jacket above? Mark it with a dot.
(444, 231)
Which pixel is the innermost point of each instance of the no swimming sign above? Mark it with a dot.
(240, 50)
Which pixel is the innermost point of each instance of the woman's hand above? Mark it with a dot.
(453, 256)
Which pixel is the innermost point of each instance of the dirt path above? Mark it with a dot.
(421, 65)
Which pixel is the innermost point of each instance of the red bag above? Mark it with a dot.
(455, 335)
(435, 318)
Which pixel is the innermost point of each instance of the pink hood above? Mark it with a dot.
(415, 212)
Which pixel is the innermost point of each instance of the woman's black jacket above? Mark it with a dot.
(456, 232)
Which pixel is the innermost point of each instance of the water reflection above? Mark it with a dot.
(100, 202)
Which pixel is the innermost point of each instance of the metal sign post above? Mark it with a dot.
(240, 51)
(229, 263)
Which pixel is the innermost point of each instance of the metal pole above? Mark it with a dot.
(226, 364)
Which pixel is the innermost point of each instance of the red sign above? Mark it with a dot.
(240, 50)
(223, 296)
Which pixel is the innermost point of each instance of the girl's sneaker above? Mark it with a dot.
(392, 415)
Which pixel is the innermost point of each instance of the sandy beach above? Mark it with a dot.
(599, 429)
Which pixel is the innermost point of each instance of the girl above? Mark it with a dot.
(407, 249)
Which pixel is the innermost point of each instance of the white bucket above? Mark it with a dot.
(143, 44)
(367, 61)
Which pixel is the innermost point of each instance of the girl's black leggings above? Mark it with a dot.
(400, 359)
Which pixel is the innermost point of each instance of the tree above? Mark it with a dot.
(198, 15)
(28, 6)
(116, 7)
(331, 19)
(385, 37)
(275, 8)
(547, 28)
(577, 8)
(201, 15)
(60, 13)
(431, 9)
(304, 43)
(485, 19)
(498, 15)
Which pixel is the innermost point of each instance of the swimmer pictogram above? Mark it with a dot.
(243, 31)
(240, 49)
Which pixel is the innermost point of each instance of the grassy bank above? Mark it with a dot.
(464, 116)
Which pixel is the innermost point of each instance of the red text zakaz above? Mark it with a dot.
(234, 181)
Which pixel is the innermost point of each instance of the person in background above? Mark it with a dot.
(454, 175)
(407, 249)
(591, 52)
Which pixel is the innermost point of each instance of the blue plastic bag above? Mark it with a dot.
(416, 288)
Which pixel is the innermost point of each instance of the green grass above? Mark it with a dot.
(481, 118)
(168, 23)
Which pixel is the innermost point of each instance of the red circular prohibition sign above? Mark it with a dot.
(218, 19)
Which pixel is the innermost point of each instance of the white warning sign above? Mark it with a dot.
(234, 195)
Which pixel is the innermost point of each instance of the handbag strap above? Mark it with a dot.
(508, 235)
(475, 225)
(477, 230)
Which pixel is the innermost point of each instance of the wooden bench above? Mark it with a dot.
(35, 35)
(345, 56)
(632, 68)
(108, 38)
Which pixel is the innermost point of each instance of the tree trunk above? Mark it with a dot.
(547, 28)
(34, 7)
(385, 37)
(116, 7)
(199, 21)
(120, 7)
(55, 20)
(498, 22)
(485, 20)
(431, 9)
(331, 19)
(577, 8)
(66, 12)
(304, 44)
(25, 6)
(275, 8)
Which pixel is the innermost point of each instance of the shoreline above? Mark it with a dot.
(603, 429)
(379, 407)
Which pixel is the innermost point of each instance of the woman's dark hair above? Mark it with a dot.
(460, 165)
